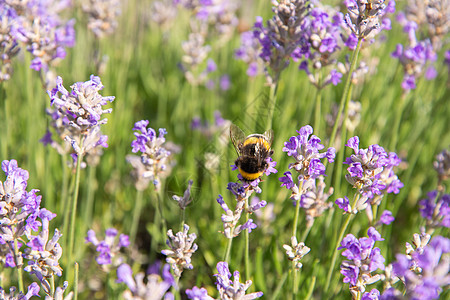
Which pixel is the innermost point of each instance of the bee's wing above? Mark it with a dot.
(269, 136)
(237, 137)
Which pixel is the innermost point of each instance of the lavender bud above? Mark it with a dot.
(296, 252)
(102, 15)
(182, 247)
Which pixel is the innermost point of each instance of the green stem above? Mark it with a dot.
(161, 215)
(75, 284)
(358, 296)
(88, 210)
(311, 288)
(339, 164)
(306, 233)
(397, 120)
(297, 209)
(226, 257)
(317, 111)
(74, 206)
(247, 245)
(176, 289)
(272, 104)
(346, 93)
(294, 234)
(5, 140)
(52, 285)
(294, 282)
(18, 266)
(277, 291)
(374, 213)
(335, 251)
(67, 202)
(249, 107)
(183, 219)
(136, 216)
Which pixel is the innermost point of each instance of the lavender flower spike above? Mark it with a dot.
(296, 252)
(427, 272)
(370, 171)
(282, 36)
(44, 254)
(363, 17)
(182, 247)
(108, 249)
(363, 259)
(33, 290)
(155, 155)
(154, 286)
(102, 15)
(83, 105)
(229, 289)
(198, 294)
(304, 148)
(184, 201)
(80, 111)
(442, 164)
(436, 209)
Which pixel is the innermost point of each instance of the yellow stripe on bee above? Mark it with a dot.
(250, 176)
(256, 140)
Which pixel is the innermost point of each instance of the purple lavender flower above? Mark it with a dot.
(33, 290)
(248, 52)
(210, 129)
(44, 254)
(363, 259)
(414, 58)
(322, 33)
(182, 247)
(442, 162)
(363, 17)
(9, 45)
(77, 116)
(431, 17)
(343, 203)
(225, 82)
(314, 200)
(436, 209)
(102, 16)
(426, 279)
(198, 294)
(374, 294)
(21, 215)
(221, 15)
(231, 218)
(229, 289)
(38, 27)
(282, 36)
(287, 180)
(154, 286)
(264, 217)
(155, 157)
(371, 173)
(304, 148)
(108, 249)
(19, 209)
(195, 53)
(163, 13)
(386, 218)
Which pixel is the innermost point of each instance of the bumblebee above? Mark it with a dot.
(252, 150)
